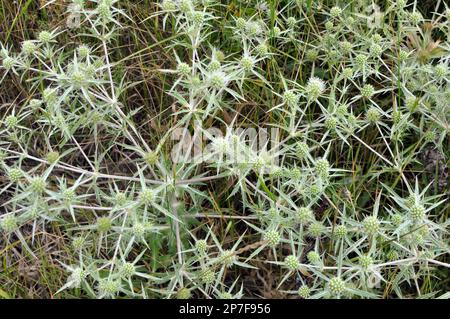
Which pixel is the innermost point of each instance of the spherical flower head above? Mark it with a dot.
(201, 246)
(314, 88)
(429, 136)
(333, 56)
(77, 276)
(218, 55)
(401, 3)
(151, 158)
(217, 80)
(272, 214)
(225, 295)
(184, 69)
(78, 243)
(397, 220)
(90, 70)
(350, 21)
(69, 195)
(4, 53)
(312, 54)
(403, 55)
(440, 71)
(197, 18)
(340, 231)
(371, 225)
(276, 32)
(59, 121)
(377, 38)
(83, 51)
(376, 50)
(295, 173)
(109, 287)
(342, 110)
(302, 150)
(331, 123)
(276, 172)
(329, 25)
(38, 185)
(228, 258)
(313, 257)
(291, 22)
(415, 17)
(365, 261)
(262, 50)
(304, 292)
(128, 270)
(417, 212)
(103, 224)
(147, 196)
(8, 63)
(272, 237)
(9, 223)
(347, 73)
(396, 116)
(50, 95)
(336, 286)
(315, 189)
(260, 162)
(29, 47)
(99, 63)
(392, 255)
(411, 103)
(316, 229)
(346, 47)
(186, 6)
(290, 98)
(207, 276)
(196, 82)
(183, 293)
(305, 215)
(78, 78)
(104, 11)
(416, 239)
(52, 157)
(120, 199)
(45, 37)
(367, 91)
(361, 61)
(3, 156)
(291, 262)
(214, 65)
(411, 200)
(168, 5)
(322, 168)
(335, 12)
(220, 145)
(34, 212)
(11, 121)
(253, 29)
(138, 230)
(247, 63)
(373, 115)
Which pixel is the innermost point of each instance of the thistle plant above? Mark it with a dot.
(184, 150)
